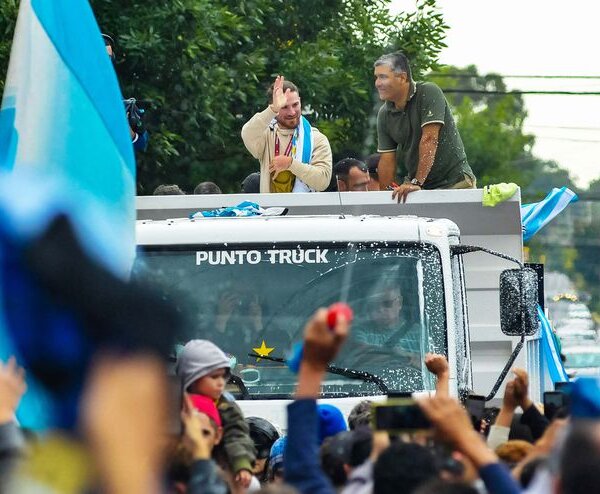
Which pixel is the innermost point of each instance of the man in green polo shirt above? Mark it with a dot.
(415, 126)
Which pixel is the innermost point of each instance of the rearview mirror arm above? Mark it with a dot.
(506, 369)
(458, 250)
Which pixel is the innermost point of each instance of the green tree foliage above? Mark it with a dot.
(587, 262)
(491, 126)
(205, 66)
(547, 175)
(8, 16)
(202, 67)
(587, 230)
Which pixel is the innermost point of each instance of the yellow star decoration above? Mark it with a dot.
(263, 350)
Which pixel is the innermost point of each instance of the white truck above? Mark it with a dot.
(250, 283)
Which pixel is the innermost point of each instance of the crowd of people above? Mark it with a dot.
(138, 431)
(415, 128)
(126, 442)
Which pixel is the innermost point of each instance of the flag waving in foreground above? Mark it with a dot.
(533, 218)
(65, 151)
(536, 215)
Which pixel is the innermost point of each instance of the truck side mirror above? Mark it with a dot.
(518, 302)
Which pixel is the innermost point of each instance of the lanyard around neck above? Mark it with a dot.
(288, 149)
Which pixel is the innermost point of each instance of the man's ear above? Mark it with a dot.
(219, 435)
(341, 185)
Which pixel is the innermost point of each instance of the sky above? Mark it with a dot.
(534, 37)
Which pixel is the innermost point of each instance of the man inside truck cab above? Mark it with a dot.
(388, 328)
(293, 156)
(415, 126)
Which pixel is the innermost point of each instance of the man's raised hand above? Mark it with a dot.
(436, 364)
(279, 97)
(322, 343)
(522, 388)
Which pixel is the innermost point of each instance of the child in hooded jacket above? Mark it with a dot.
(204, 370)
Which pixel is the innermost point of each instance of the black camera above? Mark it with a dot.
(399, 415)
(134, 115)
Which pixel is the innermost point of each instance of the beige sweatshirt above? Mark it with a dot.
(260, 141)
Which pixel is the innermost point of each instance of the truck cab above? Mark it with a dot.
(250, 283)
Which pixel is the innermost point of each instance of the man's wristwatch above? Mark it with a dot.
(414, 181)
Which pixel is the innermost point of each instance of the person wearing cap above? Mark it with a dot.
(352, 175)
(204, 369)
(293, 155)
(415, 124)
(331, 421)
(264, 434)
(276, 460)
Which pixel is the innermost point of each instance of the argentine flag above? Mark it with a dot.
(65, 148)
(552, 358)
(536, 215)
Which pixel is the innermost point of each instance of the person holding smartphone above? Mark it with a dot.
(453, 426)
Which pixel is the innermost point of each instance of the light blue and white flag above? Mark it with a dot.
(536, 215)
(65, 148)
(550, 352)
(63, 121)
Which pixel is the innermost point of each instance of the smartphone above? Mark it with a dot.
(399, 394)
(475, 405)
(553, 402)
(399, 415)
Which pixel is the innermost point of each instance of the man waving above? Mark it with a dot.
(293, 156)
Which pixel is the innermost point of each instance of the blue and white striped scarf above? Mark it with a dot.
(301, 149)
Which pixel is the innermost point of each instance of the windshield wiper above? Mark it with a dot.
(340, 371)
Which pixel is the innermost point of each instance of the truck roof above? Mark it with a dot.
(327, 228)
(463, 207)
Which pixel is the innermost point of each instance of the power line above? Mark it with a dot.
(517, 92)
(568, 139)
(562, 127)
(465, 76)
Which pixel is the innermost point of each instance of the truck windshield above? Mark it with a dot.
(251, 299)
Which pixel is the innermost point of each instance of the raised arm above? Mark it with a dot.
(301, 461)
(253, 131)
(438, 366)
